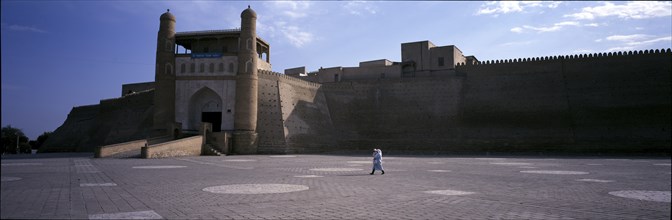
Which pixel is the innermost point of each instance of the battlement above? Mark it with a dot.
(569, 57)
(268, 74)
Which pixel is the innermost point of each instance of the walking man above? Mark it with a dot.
(377, 161)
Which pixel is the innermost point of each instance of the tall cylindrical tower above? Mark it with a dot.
(164, 77)
(245, 121)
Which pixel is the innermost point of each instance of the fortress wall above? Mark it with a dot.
(124, 119)
(622, 102)
(409, 114)
(514, 106)
(584, 103)
(269, 116)
(304, 114)
(75, 133)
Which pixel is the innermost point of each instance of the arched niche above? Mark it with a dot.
(205, 106)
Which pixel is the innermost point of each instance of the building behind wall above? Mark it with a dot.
(435, 99)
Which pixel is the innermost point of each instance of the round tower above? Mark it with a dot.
(164, 77)
(245, 121)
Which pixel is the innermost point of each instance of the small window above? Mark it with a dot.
(212, 67)
(169, 69)
(192, 68)
(230, 67)
(201, 68)
(183, 68)
(441, 61)
(335, 77)
(205, 50)
(221, 67)
(225, 49)
(170, 47)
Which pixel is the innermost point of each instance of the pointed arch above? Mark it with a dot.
(205, 104)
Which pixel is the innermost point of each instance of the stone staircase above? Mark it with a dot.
(211, 151)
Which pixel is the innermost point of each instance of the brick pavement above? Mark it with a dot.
(77, 186)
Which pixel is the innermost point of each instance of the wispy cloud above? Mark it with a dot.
(296, 36)
(360, 8)
(505, 7)
(633, 41)
(517, 43)
(15, 27)
(555, 27)
(292, 9)
(285, 21)
(628, 38)
(629, 10)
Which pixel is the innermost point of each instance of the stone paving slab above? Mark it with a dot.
(77, 186)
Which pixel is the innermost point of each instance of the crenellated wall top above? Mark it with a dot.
(280, 76)
(569, 57)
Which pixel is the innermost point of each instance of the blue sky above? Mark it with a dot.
(61, 54)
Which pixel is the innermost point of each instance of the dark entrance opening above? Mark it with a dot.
(214, 118)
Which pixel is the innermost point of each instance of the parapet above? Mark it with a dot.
(266, 74)
(569, 57)
(376, 63)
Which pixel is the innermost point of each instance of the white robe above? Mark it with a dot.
(378, 160)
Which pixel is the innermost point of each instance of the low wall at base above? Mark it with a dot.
(190, 146)
(115, 149)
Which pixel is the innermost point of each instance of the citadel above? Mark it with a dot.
(217, 94)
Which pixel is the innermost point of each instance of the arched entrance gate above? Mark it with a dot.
(205, 106)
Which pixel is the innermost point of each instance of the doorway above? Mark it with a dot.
(214, 118)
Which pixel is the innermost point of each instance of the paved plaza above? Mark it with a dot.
(77, 186)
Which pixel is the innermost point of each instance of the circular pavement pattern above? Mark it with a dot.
(282, 156)
(9, 178)
(556, 172)
(595, 180)
(335, 169)
(439, 171)
(655, 196)
(158, 167)
(255, 188)
(448, 192)
(512, 164)
(240, 160)
(307, 176)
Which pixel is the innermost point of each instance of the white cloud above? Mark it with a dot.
(359, 8)
(620, 49)
(15, 27)
(285, 21)
(505, 7)
(292, 9)
(517, 43)
(296, 36)
(592, 25)
(629, 10)
(630, 42)
(517, 30)
(555, 27)
(646, 42)
(628, 38)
